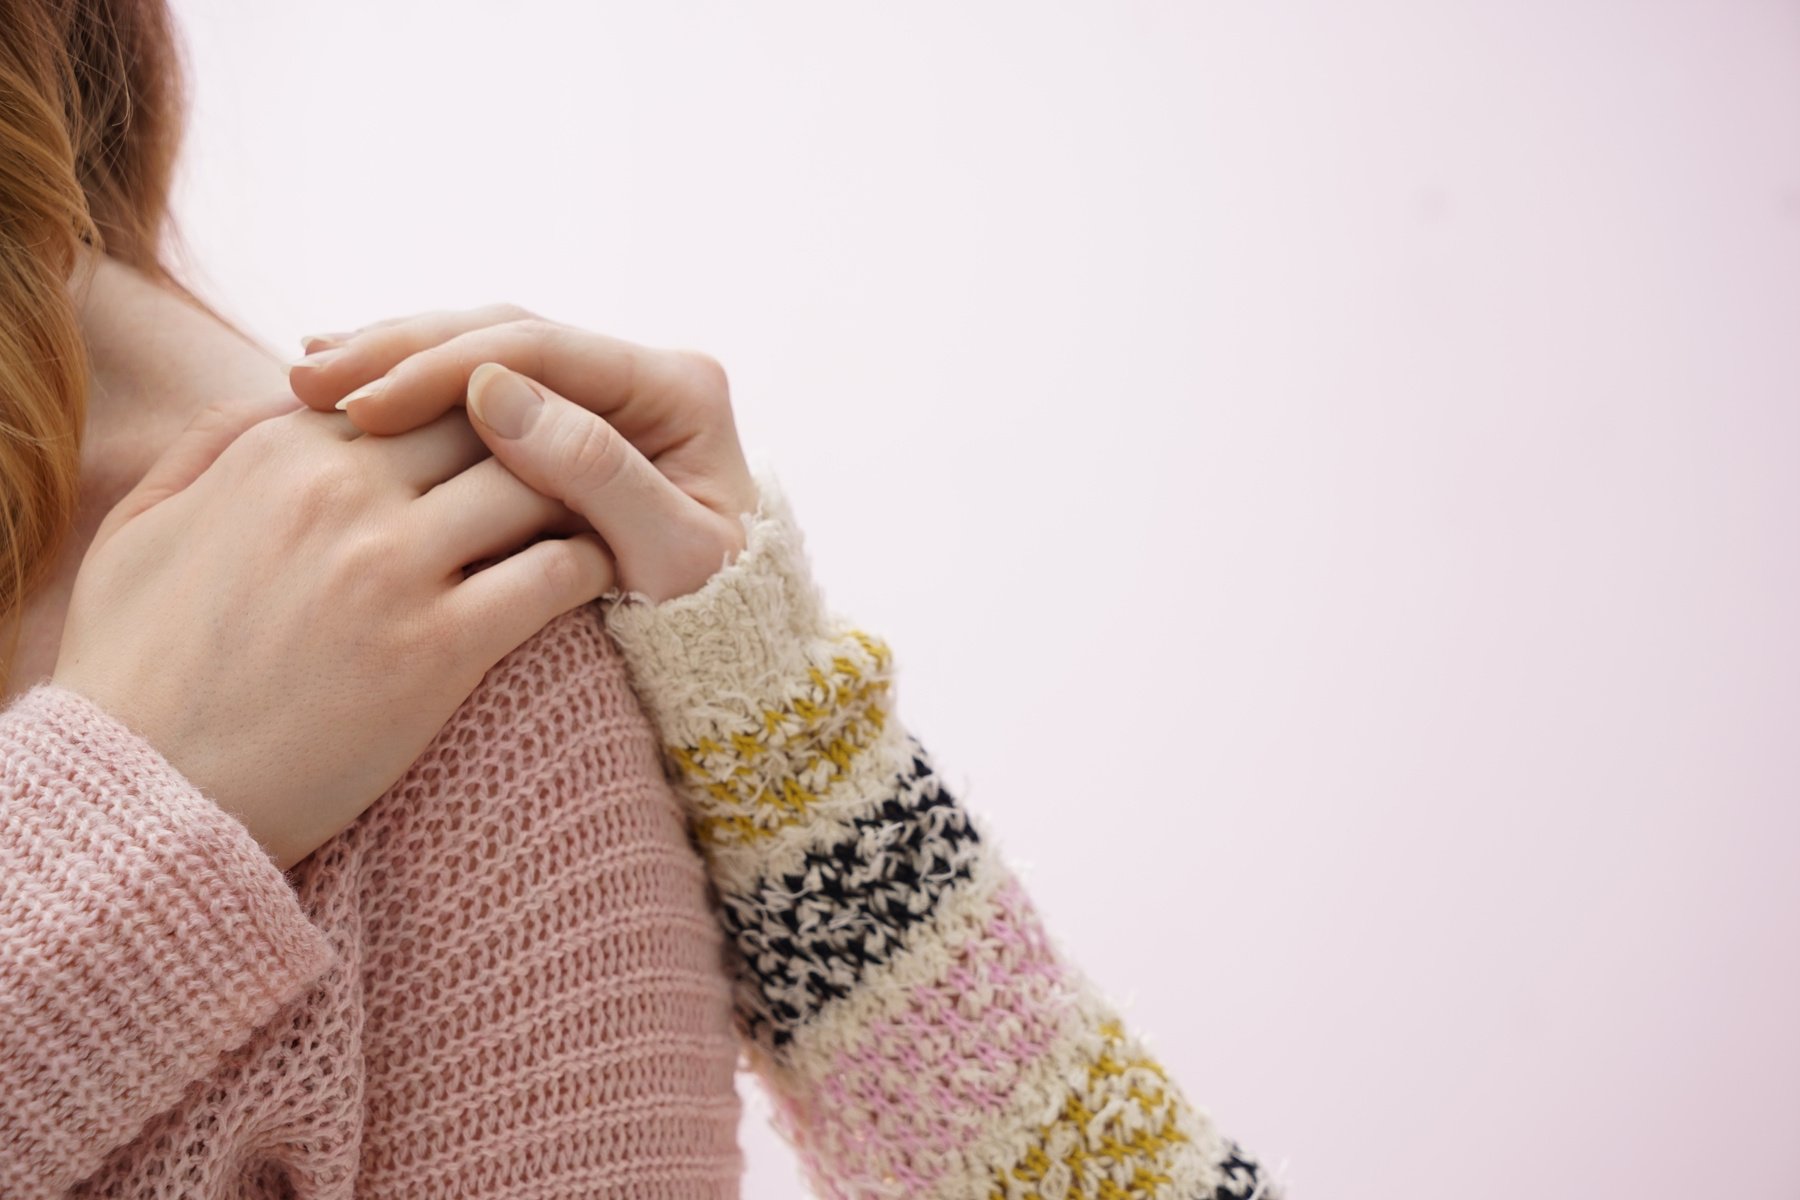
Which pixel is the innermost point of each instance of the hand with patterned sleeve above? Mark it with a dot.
(921, 1033)
(917, 1026)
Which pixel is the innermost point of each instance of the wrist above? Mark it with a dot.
(190, 748)
(774, 716)
(743, 636)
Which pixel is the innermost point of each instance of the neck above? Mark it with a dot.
(155, 359)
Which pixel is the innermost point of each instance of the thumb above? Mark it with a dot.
(194, 449)
(659, 535)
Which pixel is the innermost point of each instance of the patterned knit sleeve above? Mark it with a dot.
(918, 1029)
(143, 934)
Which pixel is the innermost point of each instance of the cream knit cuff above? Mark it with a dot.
(700, 661)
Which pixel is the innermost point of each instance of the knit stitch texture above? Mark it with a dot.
(504, 980)
(515, 976)
(921, 1033)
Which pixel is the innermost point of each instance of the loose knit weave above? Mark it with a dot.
(504, 980)
(920, 1032)
(508, 978)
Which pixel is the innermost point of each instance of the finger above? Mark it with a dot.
(330, 372)
(312, 343)
(507, 603)
(428, 456)
(657, 532)
(656, 397)
(488, 511)
(194, 449)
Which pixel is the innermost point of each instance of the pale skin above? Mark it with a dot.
(276, 595)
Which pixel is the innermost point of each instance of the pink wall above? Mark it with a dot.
(1330, 472)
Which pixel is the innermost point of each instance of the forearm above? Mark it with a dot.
(921, 1031)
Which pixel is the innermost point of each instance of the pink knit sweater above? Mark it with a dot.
(515, 976)
(503, 980)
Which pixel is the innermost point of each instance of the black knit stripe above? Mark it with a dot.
(806, 938)
(1241, 1174)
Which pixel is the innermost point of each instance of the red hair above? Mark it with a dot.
(91, 110)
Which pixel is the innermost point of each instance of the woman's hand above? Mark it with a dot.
(639, 441)
(282, 608)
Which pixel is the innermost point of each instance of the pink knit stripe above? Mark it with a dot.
(938, 1069)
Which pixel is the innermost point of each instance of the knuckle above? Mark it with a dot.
(706, 376)
(364, 552)
(217, 416)
(387, 323)
(590, 454)
(559, 569)
(335, 476)
(533, 337)
(519, 340)
(275, 436)
(363, 571)
(257, 447)
(532, 325)
(330, 486)
(507, 313)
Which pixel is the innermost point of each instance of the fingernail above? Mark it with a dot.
(312, 343)
(313, 360)
(503, 401)
(361, 393)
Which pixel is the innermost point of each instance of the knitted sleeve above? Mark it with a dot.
(143, 933)
(920, 1033)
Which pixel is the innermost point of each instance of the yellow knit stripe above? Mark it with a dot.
(1113, 1139)
(751, 782)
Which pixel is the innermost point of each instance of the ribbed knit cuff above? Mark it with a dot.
(774, 715)
(919, 1029)
(700, 660)
(145, 931)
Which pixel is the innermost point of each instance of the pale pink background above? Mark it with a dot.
(1330, 471)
